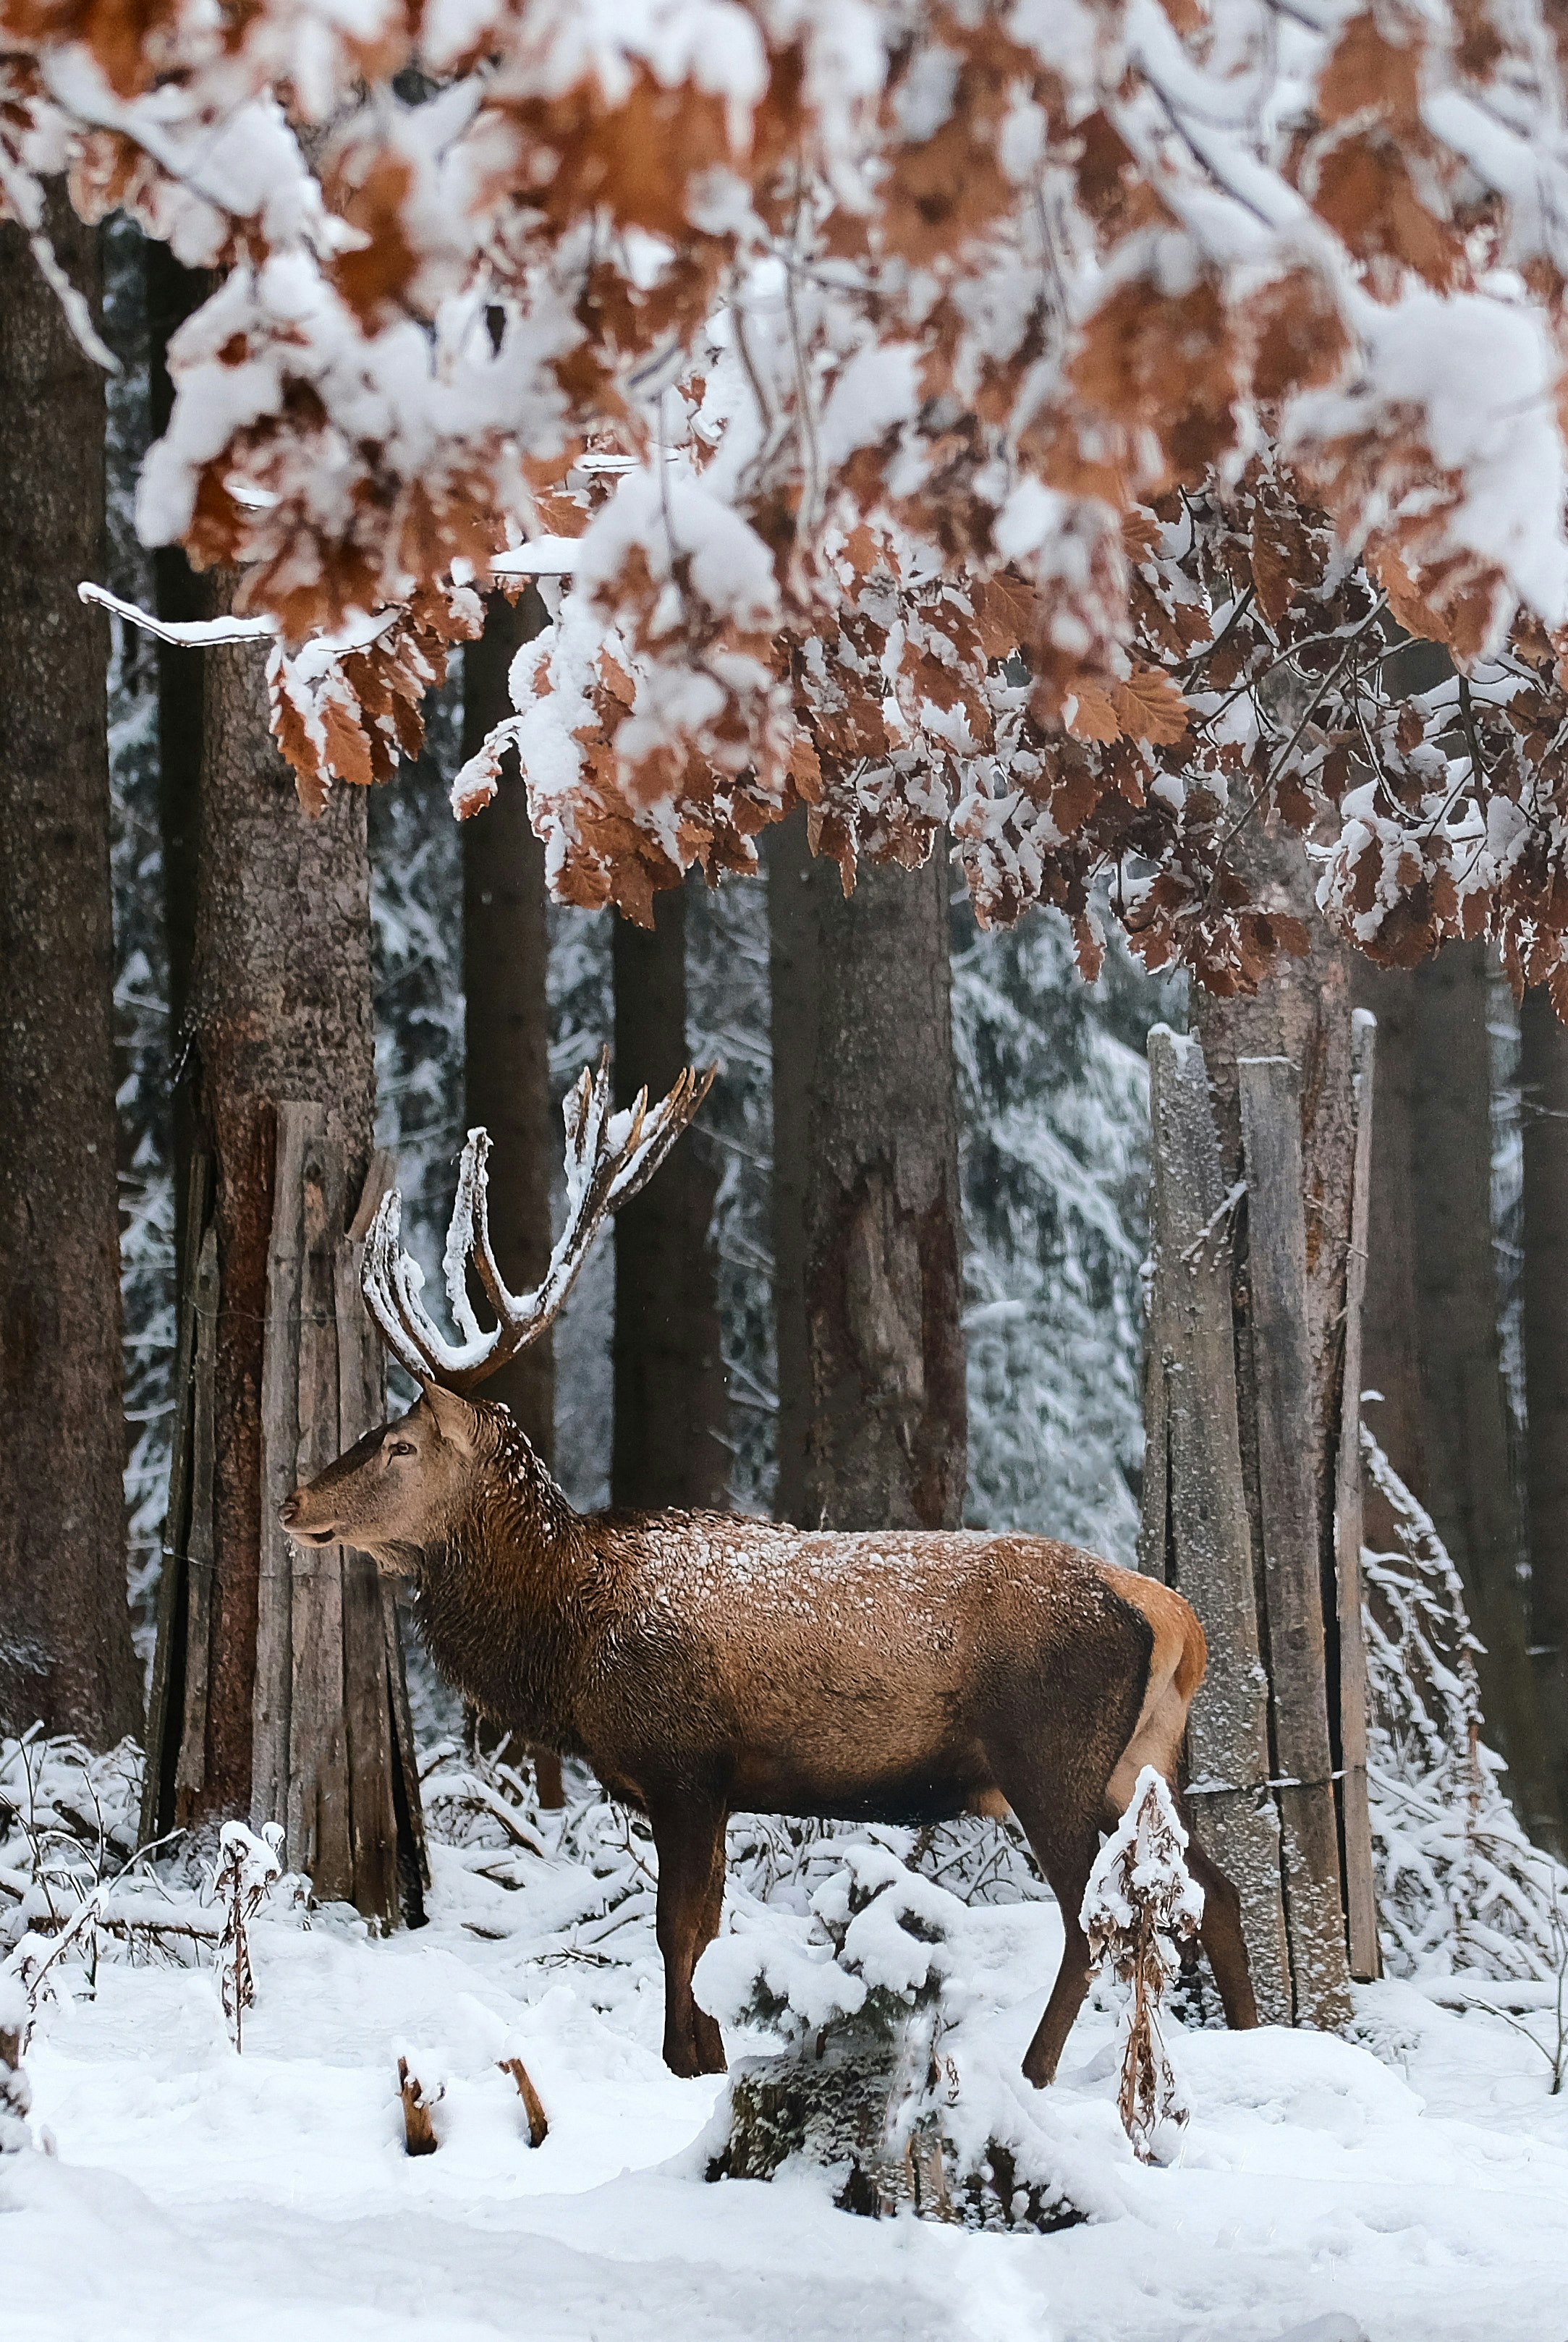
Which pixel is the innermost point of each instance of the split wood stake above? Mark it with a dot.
(1282, 1366)
(533, 2105)
(418, 2125)
(1196, 1531)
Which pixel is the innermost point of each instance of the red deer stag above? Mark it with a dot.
(704, 1664)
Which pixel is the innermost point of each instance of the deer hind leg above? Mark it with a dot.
(689, 1836)
(1065, 1853)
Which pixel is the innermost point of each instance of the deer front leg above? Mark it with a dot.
(689, 1833)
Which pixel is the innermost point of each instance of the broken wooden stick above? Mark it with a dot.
(533, 2105)
(419, 2123)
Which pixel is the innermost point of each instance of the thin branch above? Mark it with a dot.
(1288, 751)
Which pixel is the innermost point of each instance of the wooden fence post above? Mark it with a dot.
(1293, 1603)
(1196, 1530)
(332, 1742)
(1355, 1817)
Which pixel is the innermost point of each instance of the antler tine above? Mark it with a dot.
(655, 1131)
(391, 1282)
(608, 1159)
(468, 1234)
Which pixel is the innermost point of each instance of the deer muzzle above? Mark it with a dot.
(291, 1513)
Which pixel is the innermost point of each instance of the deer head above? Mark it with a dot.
(399, 1489)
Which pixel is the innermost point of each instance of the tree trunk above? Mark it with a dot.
(282, 1003)
(1470, 1489)
(505, 1023)
(506, 1037)
(668, 1446)
(1543, 1086)
(65, 1655)
(868, 1218)
(173, 293)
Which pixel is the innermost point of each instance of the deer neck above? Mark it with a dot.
(506, 1601)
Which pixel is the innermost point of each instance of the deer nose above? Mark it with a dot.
(288, 1511)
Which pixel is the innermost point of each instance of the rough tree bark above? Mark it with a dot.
(666, 1446)
(1543, 1085)
(505, 1023)
(867, 1208)
(282, 1005)
(66, 1653)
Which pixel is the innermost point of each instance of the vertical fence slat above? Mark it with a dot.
(1210, 1535)
(1283, 1369)
(1360, 1893)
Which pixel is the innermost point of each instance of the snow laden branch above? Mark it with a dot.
(1461, 1891)
(1041, 420)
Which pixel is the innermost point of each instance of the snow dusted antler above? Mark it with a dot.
(608, 1157)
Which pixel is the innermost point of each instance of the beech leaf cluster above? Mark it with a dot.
(1038, 420)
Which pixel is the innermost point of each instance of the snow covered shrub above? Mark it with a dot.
(862, 1995)
(1141, 1906)
(15, 2097)
(1460, 1884)
(68, 1836)
(857, 2000)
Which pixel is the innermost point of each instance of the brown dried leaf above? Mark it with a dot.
(1149, 706)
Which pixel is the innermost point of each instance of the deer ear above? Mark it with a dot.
(454, 1417)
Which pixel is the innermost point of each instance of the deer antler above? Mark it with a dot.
(608, 1159)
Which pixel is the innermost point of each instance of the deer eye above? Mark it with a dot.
(400, 1448)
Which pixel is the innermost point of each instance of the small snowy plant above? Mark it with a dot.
(877, 1954)
(248, 1868)
(859, 2003)
(1138, 1909)
(15, 2097)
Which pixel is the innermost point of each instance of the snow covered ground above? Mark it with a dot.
(1412, 2184)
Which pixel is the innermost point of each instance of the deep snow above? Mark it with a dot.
(1414, 2181)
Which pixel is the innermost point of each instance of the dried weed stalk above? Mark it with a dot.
(1139, 1907)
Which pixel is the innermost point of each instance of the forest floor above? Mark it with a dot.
(1410, 2184)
